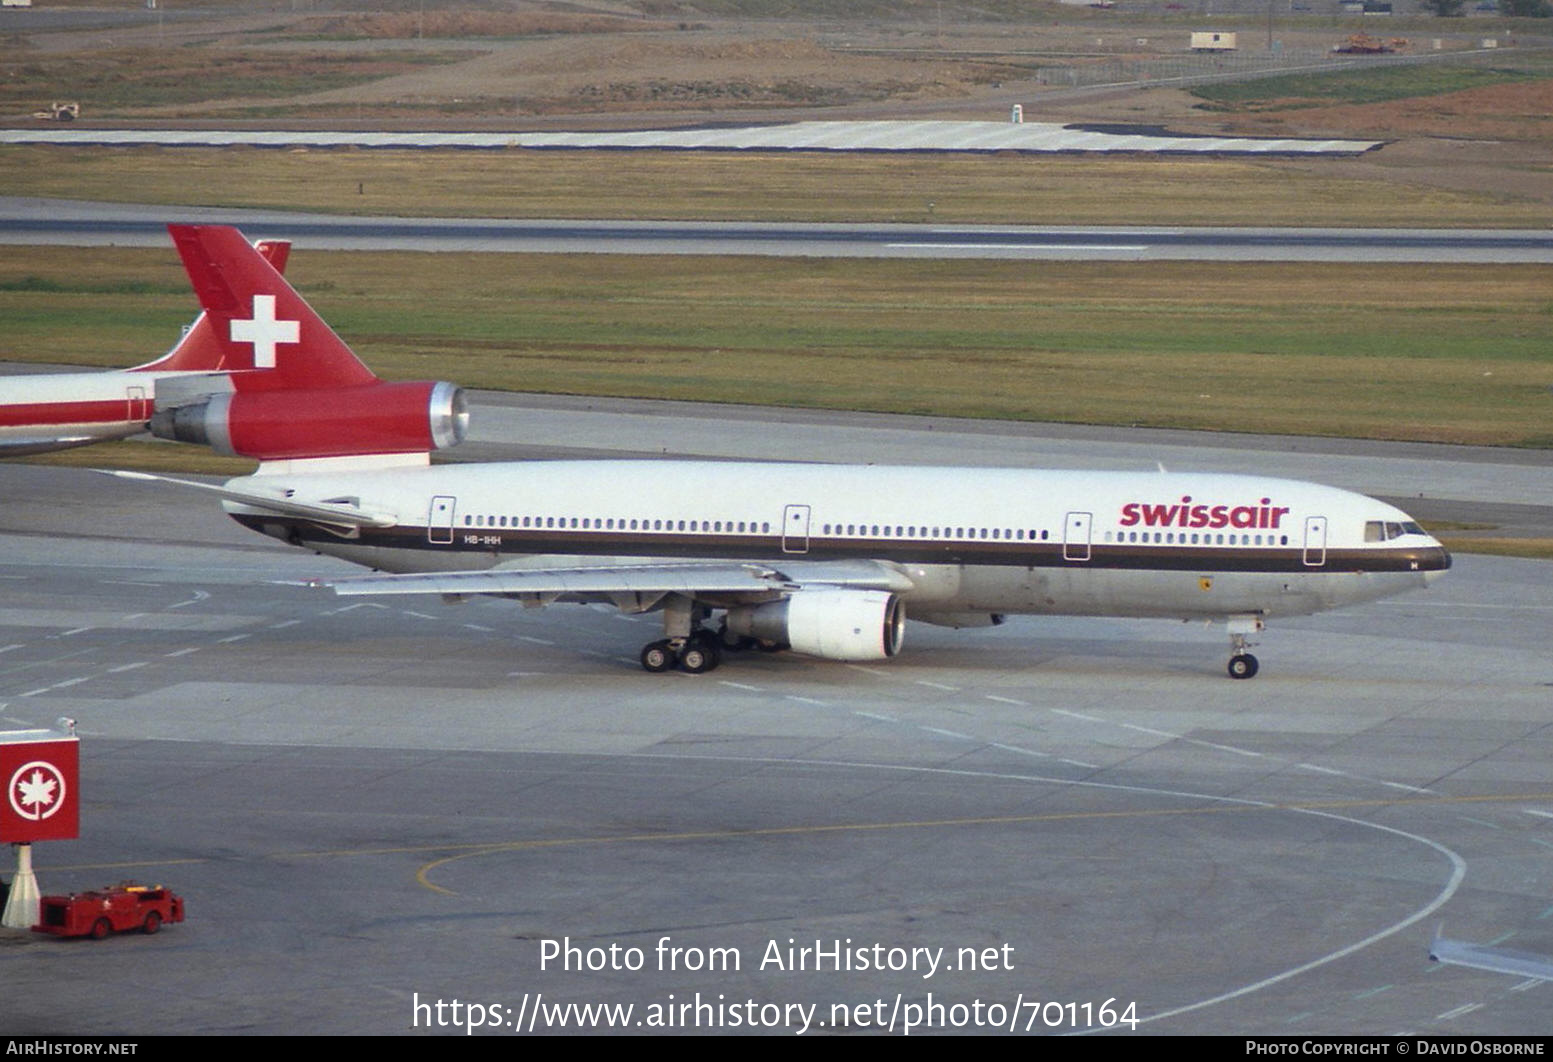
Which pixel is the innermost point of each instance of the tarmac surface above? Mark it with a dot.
(371, 810)
(33, 221)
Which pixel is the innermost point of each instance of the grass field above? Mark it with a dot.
(1445, 353)
(751, 186)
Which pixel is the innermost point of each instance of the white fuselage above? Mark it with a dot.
(970, 542)
(56, 411)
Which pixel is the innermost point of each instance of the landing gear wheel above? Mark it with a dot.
(700, 655)
(657, 657)
(153, 923)
(1242, 666)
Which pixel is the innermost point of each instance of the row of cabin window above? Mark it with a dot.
(1198, 538)
(589, 523)
(903, 531)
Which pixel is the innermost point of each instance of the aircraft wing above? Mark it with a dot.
(689, 578)
(336, 513)
(1497, 960)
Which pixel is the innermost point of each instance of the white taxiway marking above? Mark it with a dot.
(1021, 751)
(1022, 248)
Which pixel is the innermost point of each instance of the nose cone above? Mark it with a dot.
(1434, 560)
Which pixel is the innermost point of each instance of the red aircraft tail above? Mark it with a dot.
(199, 349)
(296, 392)
(258, 321)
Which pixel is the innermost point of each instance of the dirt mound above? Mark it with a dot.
(457, 24)
(1516, 111)
(722, 51)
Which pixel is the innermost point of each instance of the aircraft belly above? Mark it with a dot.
(400, 559)
(1170, 594)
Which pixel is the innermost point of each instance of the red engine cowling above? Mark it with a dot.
(378, 418)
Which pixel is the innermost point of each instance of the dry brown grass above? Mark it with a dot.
(749, 186)
(1442, 353)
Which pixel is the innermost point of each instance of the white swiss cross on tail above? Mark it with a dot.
(264, 332)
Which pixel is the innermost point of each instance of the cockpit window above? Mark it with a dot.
(1386, 530)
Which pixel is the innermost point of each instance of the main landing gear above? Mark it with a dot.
(688, 645)
(696, 654)
(1242, 665)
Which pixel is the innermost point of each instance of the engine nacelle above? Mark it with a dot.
(835, 624)
(377, 418)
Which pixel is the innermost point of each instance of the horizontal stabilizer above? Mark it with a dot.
(335, 514)
(1497, 960)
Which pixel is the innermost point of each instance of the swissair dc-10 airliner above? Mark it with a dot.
(826, 560)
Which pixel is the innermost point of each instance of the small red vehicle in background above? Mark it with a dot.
(117, 909)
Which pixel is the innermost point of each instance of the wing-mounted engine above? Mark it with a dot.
(835, 624)
(275, 425)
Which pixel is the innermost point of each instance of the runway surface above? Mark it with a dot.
(1036, 138)
(370, 808)
(31, 221)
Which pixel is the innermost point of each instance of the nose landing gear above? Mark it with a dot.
(1242, 665)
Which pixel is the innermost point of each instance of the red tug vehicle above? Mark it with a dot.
(116, 909)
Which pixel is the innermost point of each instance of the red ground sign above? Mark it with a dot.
(41, 774)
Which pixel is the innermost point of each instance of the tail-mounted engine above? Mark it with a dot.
(377, 418)
(835, 624)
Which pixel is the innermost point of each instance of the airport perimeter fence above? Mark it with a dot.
(1202, 69)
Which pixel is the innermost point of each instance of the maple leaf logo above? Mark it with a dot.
(37, 791)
